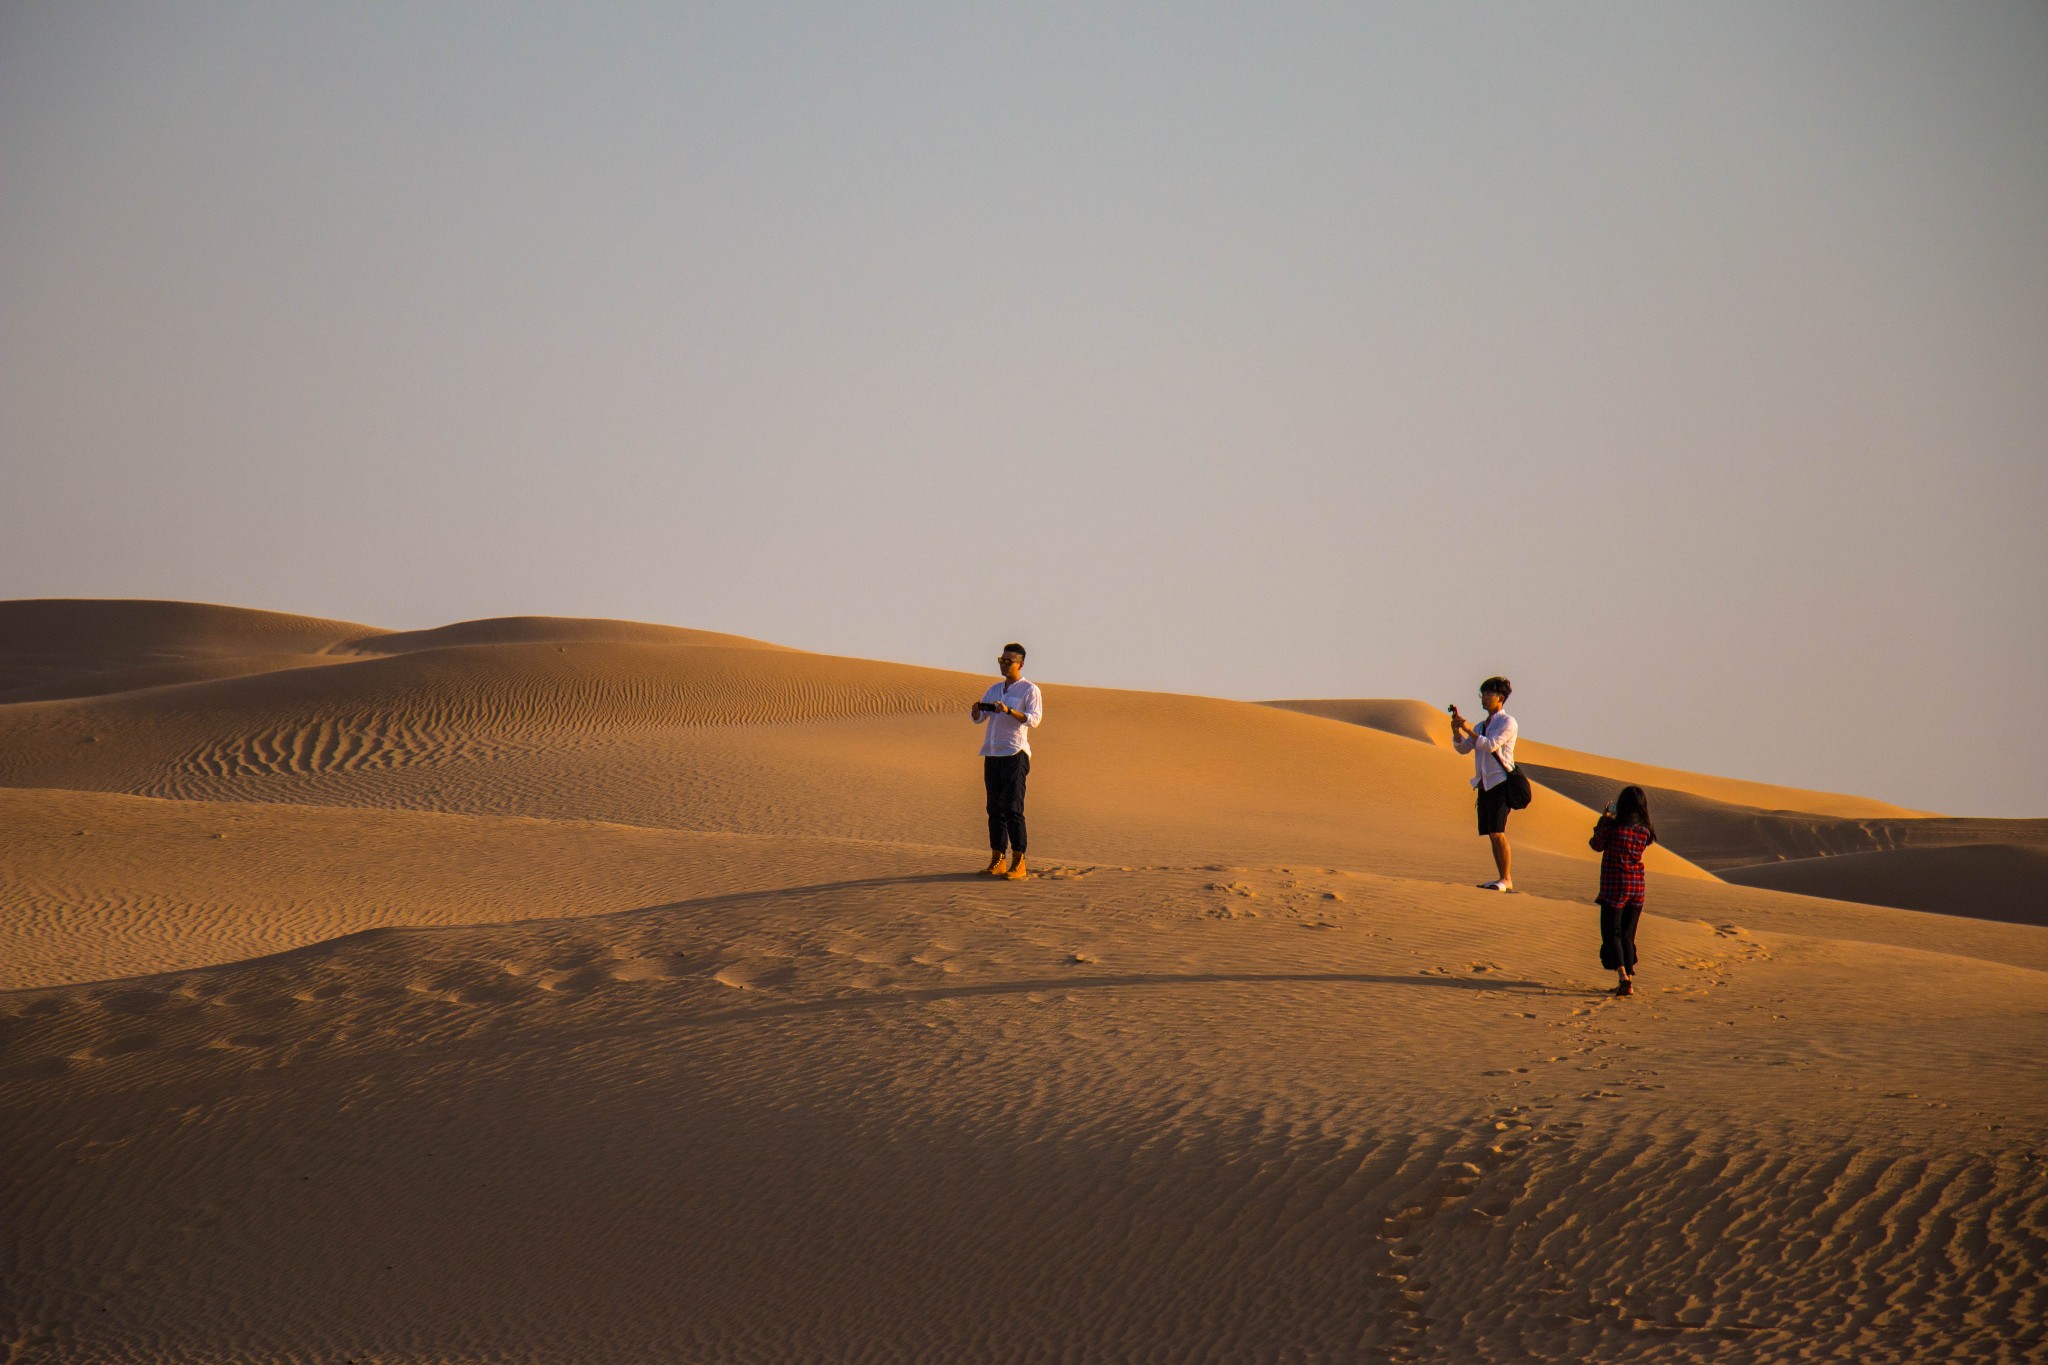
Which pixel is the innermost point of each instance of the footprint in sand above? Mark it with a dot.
(1499, 1154)
(754, 976)
(578, 981)
(125, 1046)
(259, 1003)
(633, 969)
(133, 1002)
(36, 1069)
(493, 992)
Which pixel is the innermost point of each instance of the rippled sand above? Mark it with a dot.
(586, 991)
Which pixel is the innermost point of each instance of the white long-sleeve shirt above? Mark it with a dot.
(1000, 734)
(1491, 743)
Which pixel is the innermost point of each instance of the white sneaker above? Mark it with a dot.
(1496, 886)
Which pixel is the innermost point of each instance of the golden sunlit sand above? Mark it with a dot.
(555, 990)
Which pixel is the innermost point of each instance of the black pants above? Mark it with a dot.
(1618, 934)
(1493, 810)
(1004, 778)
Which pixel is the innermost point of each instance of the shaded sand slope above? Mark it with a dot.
(1734, 791)
(1171, 1114)
(1416, 720)
(759, 741)
(1999, 881)
(46, 644)
(165, 674)
(1718, 835)
(55, 637)
(1990, 869)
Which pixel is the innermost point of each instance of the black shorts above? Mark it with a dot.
(1493, 810)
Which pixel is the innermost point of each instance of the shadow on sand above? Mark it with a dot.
(887, 999)
(876, 1000)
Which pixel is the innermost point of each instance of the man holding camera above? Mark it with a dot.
(1492, 746)
(1008, 711)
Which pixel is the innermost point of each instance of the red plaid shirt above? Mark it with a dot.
(1621, 860)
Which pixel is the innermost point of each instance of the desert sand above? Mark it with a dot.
(573, 991)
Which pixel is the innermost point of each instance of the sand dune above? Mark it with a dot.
(745, 740)
(171, 673)
(549, 630)
(593, 992)
(1985, 880)
(1734, 791)
(1720, 835)
(103, 886)
(1416, 720)
(52, 649)
(45, 640)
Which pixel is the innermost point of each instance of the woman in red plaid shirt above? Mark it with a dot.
(1621, 836)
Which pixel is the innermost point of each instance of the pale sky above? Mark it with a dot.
(1686, 362)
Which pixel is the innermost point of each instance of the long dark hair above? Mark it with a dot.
(1632, 807)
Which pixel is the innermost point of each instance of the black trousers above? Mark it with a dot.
(1618, 934)
(1004, 778)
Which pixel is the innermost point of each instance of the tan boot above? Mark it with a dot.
(995, 866)
(1016, 872)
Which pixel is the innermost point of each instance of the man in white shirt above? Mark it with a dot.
(1492, 747)
(1008, 712)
